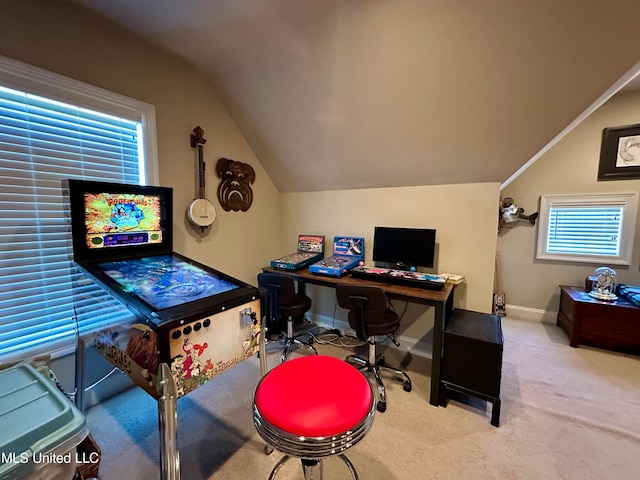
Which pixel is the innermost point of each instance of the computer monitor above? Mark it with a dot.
(112, 221)
(404, 247)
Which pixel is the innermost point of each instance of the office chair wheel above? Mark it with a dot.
(381, 361)
(406, 386)
(381, 407)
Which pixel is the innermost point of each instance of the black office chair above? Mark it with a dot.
(369, 316)
(282, 300)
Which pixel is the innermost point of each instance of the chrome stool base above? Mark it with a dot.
(312, 469)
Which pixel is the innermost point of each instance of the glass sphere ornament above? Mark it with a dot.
(604, 288)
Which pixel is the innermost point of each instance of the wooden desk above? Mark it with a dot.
(441, 300)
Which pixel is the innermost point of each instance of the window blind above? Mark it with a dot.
(584, 230)
(43, 142)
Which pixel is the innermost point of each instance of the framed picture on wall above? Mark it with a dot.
(620, 153)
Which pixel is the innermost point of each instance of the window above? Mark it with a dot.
(53, 128)
(594, 228)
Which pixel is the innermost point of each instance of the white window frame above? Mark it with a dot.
(34, 80)
(26, 78)
(627, 200)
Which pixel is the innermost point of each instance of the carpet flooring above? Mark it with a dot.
(567, 414)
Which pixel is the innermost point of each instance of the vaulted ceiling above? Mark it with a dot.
(340, 94)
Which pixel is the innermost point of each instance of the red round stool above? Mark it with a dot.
(313, 407)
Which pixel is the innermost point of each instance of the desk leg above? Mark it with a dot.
(439, 321)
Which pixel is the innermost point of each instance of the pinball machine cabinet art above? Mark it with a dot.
(190, 322)
(197, 320)
(196, 341)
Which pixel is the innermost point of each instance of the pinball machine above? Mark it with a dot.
(310, 250)
(348, 252)
(190, 322)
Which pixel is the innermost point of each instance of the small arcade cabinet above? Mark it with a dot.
(310, 250)
(189, 318)
(348, 252)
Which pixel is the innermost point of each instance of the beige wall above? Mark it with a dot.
(464, 216)
(62, 39)
(67, 41)
(569, 167)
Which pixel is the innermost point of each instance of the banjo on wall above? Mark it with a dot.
(201, 211)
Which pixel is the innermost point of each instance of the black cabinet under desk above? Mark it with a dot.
(472, 357)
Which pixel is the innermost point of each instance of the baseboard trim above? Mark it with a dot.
(424, 349)
(531, 314)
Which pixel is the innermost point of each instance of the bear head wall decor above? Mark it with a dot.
(234, 191)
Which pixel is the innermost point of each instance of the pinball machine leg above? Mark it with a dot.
(168, 425)
(262, 348)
